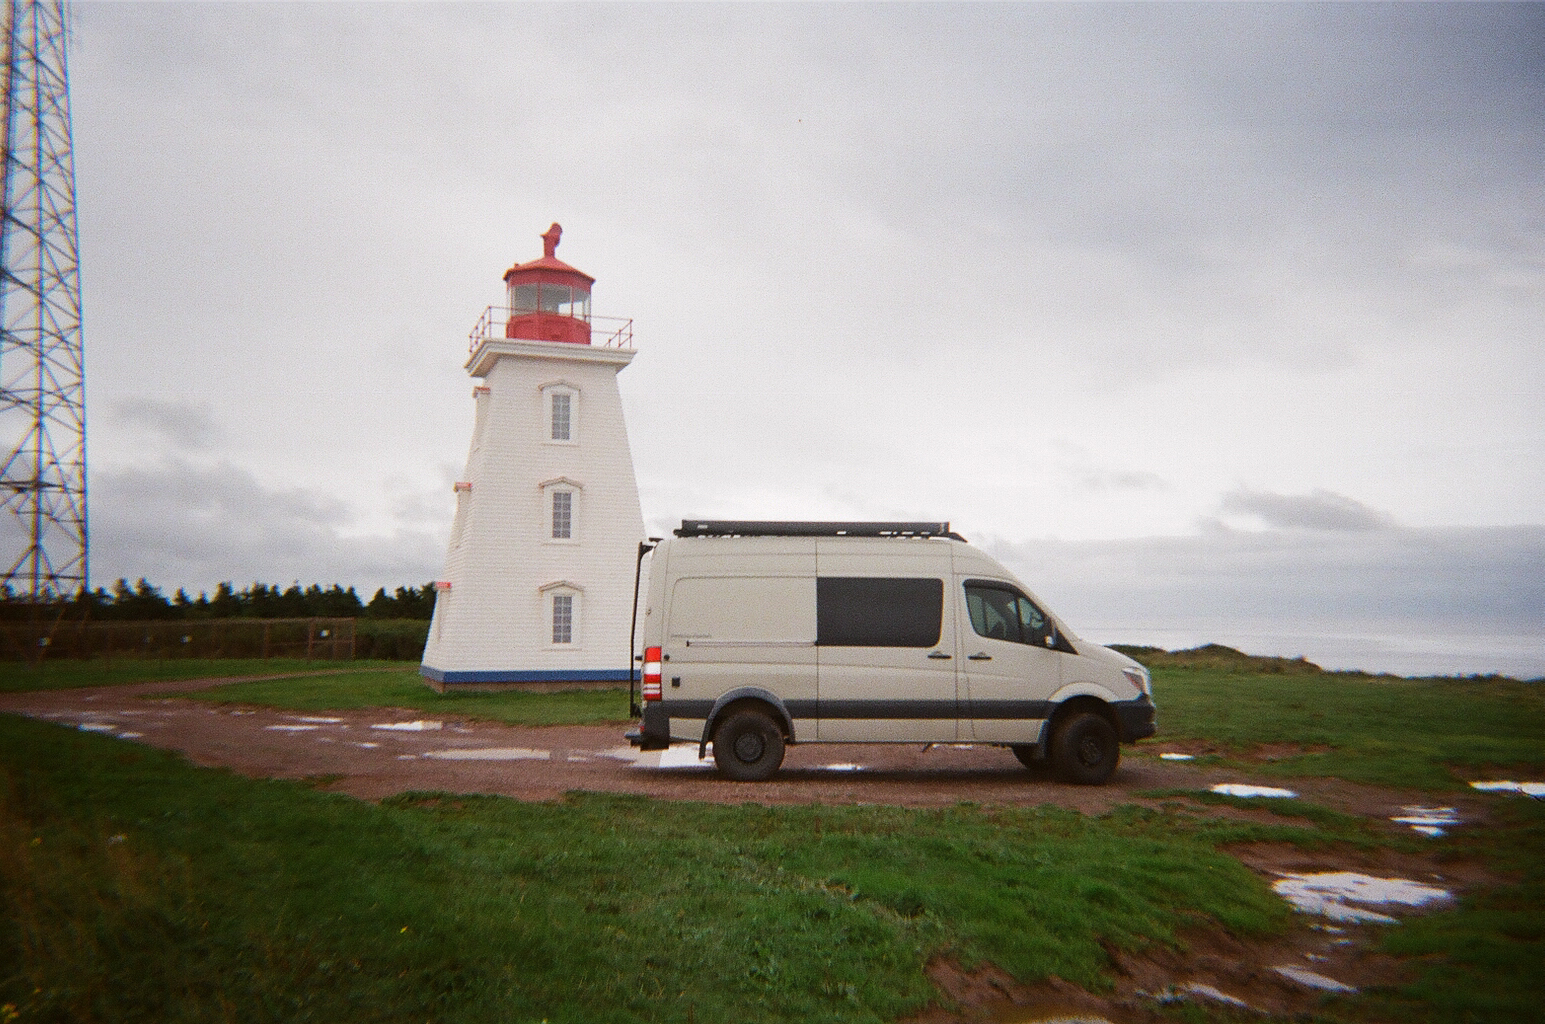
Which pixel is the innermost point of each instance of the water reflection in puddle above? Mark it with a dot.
(1167, 756)
(1534, 789)
(680, 757)
(1332, 893)
(291, 728)
(1243, 789)
(1198, 990)
(1310, 979)
(1429, 821)
(416, 726)
(491, 754)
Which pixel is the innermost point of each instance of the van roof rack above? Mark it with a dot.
(771, 528)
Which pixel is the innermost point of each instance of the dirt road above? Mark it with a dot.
(379, 752)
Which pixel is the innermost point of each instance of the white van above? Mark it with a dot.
(761, 634)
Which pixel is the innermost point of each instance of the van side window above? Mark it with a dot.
(862, 611)
(1000, 614)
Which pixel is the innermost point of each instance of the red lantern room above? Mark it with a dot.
(549, 300)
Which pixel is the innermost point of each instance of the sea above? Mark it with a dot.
(1429, 653)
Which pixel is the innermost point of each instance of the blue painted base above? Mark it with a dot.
(593, 675)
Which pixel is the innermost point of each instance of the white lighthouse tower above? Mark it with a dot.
(538, 584)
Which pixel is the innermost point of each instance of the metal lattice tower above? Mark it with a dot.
(42, 370)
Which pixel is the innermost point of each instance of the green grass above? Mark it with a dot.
(137, 887)
(401, 687)
(1485, 960)
(1420, 733)
(16, 677)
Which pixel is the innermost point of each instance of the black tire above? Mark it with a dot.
(1027, 754)
(1085, 749)
(748, 746)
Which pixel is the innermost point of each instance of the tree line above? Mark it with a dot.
(142, 601)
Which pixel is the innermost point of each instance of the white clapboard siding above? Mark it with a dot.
(493, 624)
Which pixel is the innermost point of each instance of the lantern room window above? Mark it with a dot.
(546, 297)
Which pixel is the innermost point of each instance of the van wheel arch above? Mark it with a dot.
(745, 698)
(1084, 741)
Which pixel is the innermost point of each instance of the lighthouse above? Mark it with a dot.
(538, 583)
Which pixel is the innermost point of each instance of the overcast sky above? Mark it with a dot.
(1205, 318)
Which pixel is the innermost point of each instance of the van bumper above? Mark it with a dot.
(1138, 718)
(654, 732)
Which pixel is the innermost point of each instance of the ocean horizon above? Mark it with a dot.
(1425, 653)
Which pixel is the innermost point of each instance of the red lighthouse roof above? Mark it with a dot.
(549, 300)
(549, 260)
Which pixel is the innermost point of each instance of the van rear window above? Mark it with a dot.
(864, 611)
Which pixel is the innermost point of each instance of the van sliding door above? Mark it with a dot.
(885, 654)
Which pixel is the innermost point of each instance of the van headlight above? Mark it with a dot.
(1138, 677)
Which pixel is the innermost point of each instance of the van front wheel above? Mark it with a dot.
(748, 747)
(1085, 749)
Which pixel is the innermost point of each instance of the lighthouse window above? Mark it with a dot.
(523, 298)
(562, 407)
(563, 618)
(555, 298)
(563, 515)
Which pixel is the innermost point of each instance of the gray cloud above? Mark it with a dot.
(179, 426)
(1122, 480)
(185, 525)
(1413, 579)
(1319, 510)
(880, 257)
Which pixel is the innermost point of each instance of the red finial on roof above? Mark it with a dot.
(550, 240)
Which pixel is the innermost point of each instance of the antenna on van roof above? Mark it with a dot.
(769, 528)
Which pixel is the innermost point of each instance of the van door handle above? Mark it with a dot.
(938, 655)
(979, 656)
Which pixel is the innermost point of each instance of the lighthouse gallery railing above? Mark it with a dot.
(613, 331)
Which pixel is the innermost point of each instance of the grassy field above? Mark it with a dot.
(399, 687)
(1423, 733)
(60, 675)
(137, 887)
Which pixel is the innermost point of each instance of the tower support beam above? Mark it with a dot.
(43, 543)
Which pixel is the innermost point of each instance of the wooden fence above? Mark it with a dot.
(321, 639)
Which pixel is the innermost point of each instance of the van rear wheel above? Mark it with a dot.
(1029, 755)
(1085, 749)
(748, 746)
